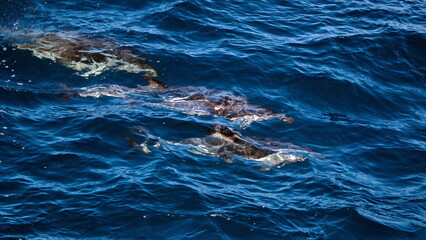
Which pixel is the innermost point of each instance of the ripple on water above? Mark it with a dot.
(351, 74)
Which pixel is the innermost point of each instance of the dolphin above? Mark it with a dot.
(190, 100)
(89, 57)
(228, 144)
(224, 104)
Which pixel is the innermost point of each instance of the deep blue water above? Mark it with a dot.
(351, 73)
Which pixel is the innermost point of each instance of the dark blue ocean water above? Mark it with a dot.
(352, 74)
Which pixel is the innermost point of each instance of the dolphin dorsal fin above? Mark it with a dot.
(154, 83)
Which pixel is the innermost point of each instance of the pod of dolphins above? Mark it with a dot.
(90, 58)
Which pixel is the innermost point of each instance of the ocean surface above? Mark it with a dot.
(352, 75)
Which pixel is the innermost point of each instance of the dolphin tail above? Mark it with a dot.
(68, 91)
(69, 96)
(139, 147)
(132, 143)
(139, 131)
